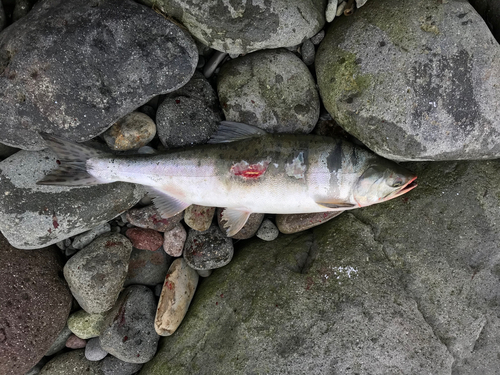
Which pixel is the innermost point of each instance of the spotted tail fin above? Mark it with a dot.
(72, 157)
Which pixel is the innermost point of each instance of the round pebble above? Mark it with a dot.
(248, 230)
(86, 238)
(294, 223)
(145, 239)
(174, 239)
(176, 295)
(308, 52)
(129, 332)
(93, 350)
(130, 132)
(208, 250)
(149, 217)
(267, 231)
(318, 37)
(331, 10)
(204, 273)
(75, 342)
(85, 325)
(96, 273)
(199, 217)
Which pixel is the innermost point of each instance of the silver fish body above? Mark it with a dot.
(270, 173)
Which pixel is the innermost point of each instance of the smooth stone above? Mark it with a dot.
(149, 217)
(174, 240)
(145, 239)
(331, 10)
(199, 217)
(189, 115)
(360, 3)
(293, 223)
(85, 325)
(422, 88)
(74, 342)
(318, 38)
(129, 332)
(248, 230)
(71, 363)
(86, 238)
(250, 26)
(93, 350)
(204, 273)
(147, 267)
(114, 366)
(340, 8)
(33, 216)
(60, 342)
(308, 52)
(272, 90)
(268, 231)
(96, 273)
(34, 305)
(131, 132)
(176, 295)
(208, 250)
(44, 91)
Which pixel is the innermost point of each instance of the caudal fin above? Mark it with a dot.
(73, 157)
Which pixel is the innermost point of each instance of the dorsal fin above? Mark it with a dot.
(235, 131)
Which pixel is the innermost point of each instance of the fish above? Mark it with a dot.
(245, 170)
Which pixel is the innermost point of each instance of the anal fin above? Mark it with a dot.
(167, 205)
(234, 220)
(336, 204)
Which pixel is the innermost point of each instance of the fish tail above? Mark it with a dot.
(72, 160)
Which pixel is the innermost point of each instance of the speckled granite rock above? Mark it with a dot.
(35, 303)
(97, 272)
(33, 216)
(414, 80)
(86, 325)
(71, 363)
(131, 132)
(249, 26)
(73, 69)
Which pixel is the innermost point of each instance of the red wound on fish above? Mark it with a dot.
(249, 171)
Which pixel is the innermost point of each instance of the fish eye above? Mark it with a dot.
(397, 184)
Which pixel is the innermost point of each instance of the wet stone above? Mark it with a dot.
(131, 132)
(129, 332)
(145, 239)
(85, 325)
(208, 250)
(199, 217)
(147, 267)
(96, 273)
(268, 231)
(174, 239)
(294, 223)
(176, 295)
(74, 342)
(93, 350)
(307, 51)
(114, 366)
(71, 363)
(149, 217)
(60, 341)
(248, 230)
(86, 238)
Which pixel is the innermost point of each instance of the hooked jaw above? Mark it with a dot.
(412, 184)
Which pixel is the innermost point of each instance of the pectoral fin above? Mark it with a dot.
(234, 220)
(167, 205)
(336, 204)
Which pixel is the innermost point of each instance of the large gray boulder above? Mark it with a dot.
(409, 286)
(75, 67)
(414, 80)
(34, 216)
(242, 27)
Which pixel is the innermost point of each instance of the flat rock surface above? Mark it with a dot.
(35, 303)
(244, 27)
(75, 67)
(414, 80)
(404, 287)
(33, 216)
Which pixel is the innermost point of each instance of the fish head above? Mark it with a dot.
(381, 181)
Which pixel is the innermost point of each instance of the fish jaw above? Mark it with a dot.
(410, 185)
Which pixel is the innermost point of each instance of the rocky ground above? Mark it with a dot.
(93, 280)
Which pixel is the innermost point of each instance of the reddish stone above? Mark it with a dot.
(145, 239)
(74, 342)
(174, 239)
(150, 218)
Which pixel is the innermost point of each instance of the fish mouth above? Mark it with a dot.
(412, 184)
